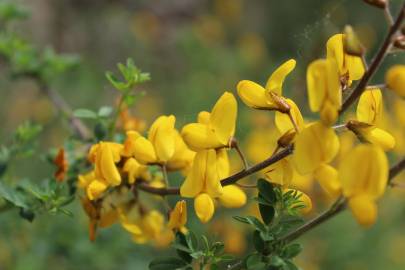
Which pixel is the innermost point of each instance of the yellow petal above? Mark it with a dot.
(364, 209)
(134, 170)
(329, 113)
(95, 189)
(327, 177)
(233, 197)
(316, 144)
(144, 151)
(379, 137)
(223, 165)
(129, 144)
(204, 207)
(354, 66)
(223, 117)
(204, 117)
(162, 137)
(370, 106)
(178, 217)
(108, 219)
(194, 182)
(183, 156)
(276, 80)
(280, 173)
(395, 79)
(199, 137)
(283, 121)
(335, 50)
(211, 174)
(105, 163)
(85, 179)
(364, 170)
(253, 95)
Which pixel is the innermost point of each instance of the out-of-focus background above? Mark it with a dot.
(194, 50)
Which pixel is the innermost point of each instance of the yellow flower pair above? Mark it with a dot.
(210, 137)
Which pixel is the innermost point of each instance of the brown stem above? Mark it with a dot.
(226, 181)
(235, 145)
(382, 52)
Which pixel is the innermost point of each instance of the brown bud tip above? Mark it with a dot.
(399, 42)
(282, 104)
(352, 43)
(286, 139)
(377, 3)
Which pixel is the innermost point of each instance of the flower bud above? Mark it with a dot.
(352, 43)
(395, 79)
(377, 3)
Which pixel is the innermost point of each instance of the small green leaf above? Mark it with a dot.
(192, 241)
(266, 191)
(267, 213)
(258, 242)
(254, 262)
(217, 248)
(105, 111)
(167, 263)
(85, 113)
(13, 196)
(292, 250)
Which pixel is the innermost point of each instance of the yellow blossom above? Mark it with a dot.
(135, 170)
(159, 147)
(268, 98)
(215, 129)
(324, 91)
(105, 155)
(395, 79)
(349, 66)
(232, 197)
(178, 217)
(369, 111)
(182, 157)
(364, 175)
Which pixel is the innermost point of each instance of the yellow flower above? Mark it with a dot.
(215, 129)
(369, 110)
(364, 175)
(178, 217)
(232, 197)
(395, 79)
(324, 91)
(281, 172)
(268, 98)
(350, 67)
(135, 170)
(203, 181)
(286, 122)
(314, 147)
(182, 157)
(105, 155)
(145, 227)
(159, 147)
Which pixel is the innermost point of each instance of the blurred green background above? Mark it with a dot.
(194, 51)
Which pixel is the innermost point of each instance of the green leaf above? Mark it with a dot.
(267, 213)
(105, 111)
(183, 253)
(191, 240)
(266, 191)
(100, 131)
(276, 261)
(291, 266)
(258, 242)
(292, 250)
(167, 263)
(217, 248)
(254, 262)
(85, 113)
(252, 221)
(13, 196)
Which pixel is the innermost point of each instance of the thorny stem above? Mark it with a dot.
(379, 57)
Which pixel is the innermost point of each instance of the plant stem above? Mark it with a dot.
(379, 57)
(235, 145)
(113, 125)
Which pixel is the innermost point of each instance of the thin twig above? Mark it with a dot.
(379, 57)
(235, 146)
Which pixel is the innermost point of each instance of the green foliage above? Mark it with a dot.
(280, 212)
(193, 250)
(131, 75)
(10, 11)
